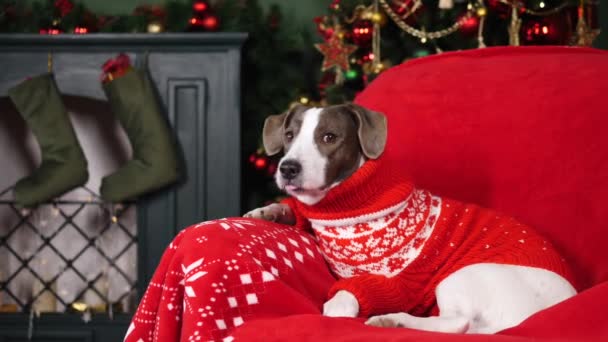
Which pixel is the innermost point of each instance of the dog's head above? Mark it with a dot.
(323, 146)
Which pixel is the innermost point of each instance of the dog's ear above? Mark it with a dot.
(272, 134)
(372, 130)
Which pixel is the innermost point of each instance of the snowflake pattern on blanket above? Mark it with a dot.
(217, 275)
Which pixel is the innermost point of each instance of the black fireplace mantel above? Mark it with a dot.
(197, 77)
(133, 41)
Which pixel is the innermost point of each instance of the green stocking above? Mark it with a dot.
(63, 166)
(154, 162)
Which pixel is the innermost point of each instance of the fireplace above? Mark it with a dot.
(73, 269)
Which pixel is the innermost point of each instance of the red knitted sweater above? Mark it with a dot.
(391, 244)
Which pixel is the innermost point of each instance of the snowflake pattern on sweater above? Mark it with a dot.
(384, 243)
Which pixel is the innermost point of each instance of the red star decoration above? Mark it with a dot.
(335, 53)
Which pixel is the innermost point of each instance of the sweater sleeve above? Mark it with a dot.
(302, 222)
(376, 294)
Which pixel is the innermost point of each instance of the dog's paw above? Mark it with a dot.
(386, 321)
(342, 304)
(445, 324)
(274, 212)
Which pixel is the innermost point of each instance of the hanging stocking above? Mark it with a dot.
(63, 166)
(154, 162)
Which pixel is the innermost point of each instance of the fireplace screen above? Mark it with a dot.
(72, 255)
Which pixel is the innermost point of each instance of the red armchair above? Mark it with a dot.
(521, 130)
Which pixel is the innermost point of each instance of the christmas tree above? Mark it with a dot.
(362, 38)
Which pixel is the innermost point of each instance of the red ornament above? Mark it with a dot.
(51, 30)
(200, 6)
(335, 5)
(363, 31)
(207, 23)
(469, 25)
(328, 33)
(367, 57)
(203, 20)
(81, 30)
(504, 10)
(261, 163)
(543, 31)
(211, 23)
(196, 24)
(405, 7)
(64, 6)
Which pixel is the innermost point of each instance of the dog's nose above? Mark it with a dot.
(290, 169)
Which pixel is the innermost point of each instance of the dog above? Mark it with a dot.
(400, 260)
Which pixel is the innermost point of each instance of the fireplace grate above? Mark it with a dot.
(69, 255)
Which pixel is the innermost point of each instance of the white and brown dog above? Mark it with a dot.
(324, 147)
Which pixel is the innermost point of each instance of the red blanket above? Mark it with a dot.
(249, 280)
(217, 275)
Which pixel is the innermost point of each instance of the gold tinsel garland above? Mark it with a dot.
(583, 36)
(336, 53)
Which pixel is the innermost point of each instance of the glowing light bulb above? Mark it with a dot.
(545, 30)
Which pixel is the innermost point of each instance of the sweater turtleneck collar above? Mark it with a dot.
(375, 186)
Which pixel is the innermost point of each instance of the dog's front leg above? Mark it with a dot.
(342, 304)
(275, 212)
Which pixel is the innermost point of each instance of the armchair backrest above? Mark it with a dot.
(520, 129)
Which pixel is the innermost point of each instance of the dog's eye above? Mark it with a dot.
(289, 136)
(329, 138)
